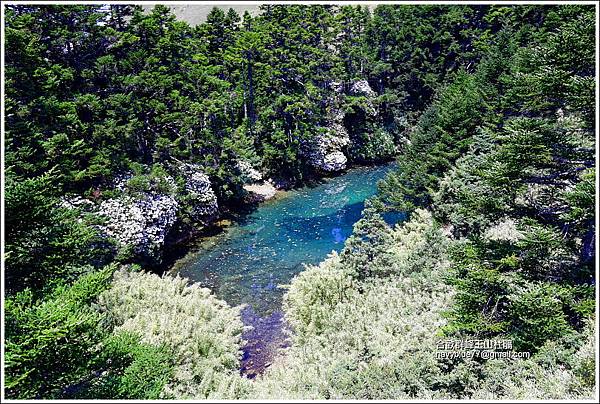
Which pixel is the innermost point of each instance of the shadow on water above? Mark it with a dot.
(248, 261)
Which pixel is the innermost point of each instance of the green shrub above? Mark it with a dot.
(153, 180)
(45, 242)
(366, 253)
(51, 343)
(563, 369)
(129, 370)
(537, 315)
(201, 333)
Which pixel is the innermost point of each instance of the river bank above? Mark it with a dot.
(270, 190)
(251, 259)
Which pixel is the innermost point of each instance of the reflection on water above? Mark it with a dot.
(247, 262)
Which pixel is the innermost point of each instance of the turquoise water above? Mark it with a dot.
(248, 261)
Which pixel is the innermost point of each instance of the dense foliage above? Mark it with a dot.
(376, 336)
(96, 89)
(504, 157)
(490, 108)
(199, 334)
(45, 242)
(50, 343)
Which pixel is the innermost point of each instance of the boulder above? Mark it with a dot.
(142, 220)
(362, 87)
(325, 151)
(335, 161)
(249, 173)
(140, 224)
(198, 186)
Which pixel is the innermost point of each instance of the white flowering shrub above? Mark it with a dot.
(367, 350)
(557, 372)
(371, 339)
(419, 247)
(378, 338)
(505, 230)
(202, 332)
(314, 293)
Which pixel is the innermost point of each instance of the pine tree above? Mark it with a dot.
(366, 252)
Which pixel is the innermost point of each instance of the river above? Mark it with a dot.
(249, 261)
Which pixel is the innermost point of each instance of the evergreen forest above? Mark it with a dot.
(128, 130)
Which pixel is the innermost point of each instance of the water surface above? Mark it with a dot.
(249, 261)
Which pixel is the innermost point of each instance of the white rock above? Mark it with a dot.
(335, 161)
(362, 87)
(337, 86)
(249, 173)
(142, 224)
(76, 202)
(324, 152)
(197, 184)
